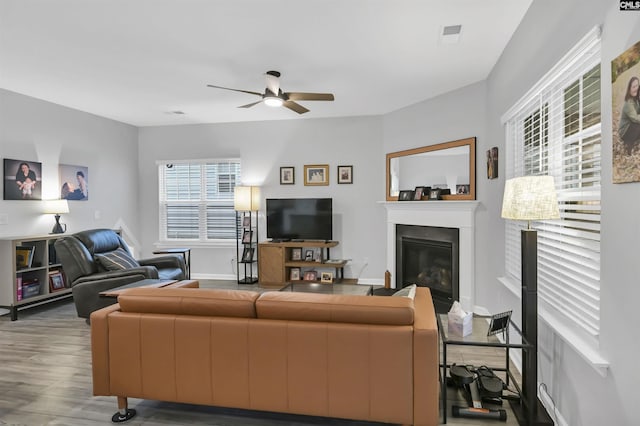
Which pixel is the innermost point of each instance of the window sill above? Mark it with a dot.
(570, 337)
(194, 244)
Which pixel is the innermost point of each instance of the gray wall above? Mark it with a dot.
(34, 130)
(264, 147)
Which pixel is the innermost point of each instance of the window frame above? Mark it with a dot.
(546, 96)
(203, 201)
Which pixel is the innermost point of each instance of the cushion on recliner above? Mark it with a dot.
(116, 260)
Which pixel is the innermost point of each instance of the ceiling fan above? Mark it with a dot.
(275, 97)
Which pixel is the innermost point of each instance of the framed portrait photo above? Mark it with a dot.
(310, 275)
(316, 174)
(418, 193)
(74, 182)
(406, 195)
(296, 253)
(326, 277)
(435, 194)
(247, 255)
(22, 180)
(345, 174)
(56, 281)
(246, 221)
(287, 176)
(294, 274)
(246, 237)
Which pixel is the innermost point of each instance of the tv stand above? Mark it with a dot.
(275, 261)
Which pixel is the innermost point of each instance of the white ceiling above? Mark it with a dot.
(136, 61)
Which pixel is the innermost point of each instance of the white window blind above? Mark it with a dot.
(196, 199)
(555, 130)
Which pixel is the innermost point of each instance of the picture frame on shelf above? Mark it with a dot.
(406, 195)
(435, 194)
(247, 236)
(462, 189)
(246, 222)
(56, 281)
(287, 175)
(326, 277)
(418, 193)
(311, 275)
(308, 256)
(294, 274)
(345, 174)
(316, 174)
(296, 253)
(247, 254)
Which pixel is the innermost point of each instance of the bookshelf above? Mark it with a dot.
(30, 272)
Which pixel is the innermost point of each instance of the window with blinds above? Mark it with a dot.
(196, 199)
(555, 130)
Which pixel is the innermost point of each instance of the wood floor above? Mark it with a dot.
(45, 379)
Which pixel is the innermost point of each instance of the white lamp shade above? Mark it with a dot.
(56, 206)
(530, 198)
(246, 198)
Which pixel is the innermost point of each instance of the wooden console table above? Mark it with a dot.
(275, 261)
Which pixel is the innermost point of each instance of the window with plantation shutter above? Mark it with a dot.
(196, 199)
(555, 130)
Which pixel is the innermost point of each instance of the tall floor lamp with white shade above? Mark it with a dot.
(530, 198)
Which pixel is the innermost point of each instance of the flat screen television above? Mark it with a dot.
(299, 219)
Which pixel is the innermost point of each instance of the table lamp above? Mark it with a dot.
(530, 198)
(57, 207)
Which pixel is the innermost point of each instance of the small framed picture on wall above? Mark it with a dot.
(287, 176)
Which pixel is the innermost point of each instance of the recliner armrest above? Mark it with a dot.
(147, 271)
(165, 262)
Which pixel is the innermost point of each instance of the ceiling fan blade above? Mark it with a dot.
(295, 107)
(250, 105)
(298, 96)
(235, 90)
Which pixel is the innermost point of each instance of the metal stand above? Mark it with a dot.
(249, 243)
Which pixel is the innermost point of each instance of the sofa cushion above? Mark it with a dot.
(335, 308)
(189, 301)
(116, 260)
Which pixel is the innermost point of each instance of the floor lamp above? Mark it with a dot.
(530, 198)
(247, 199)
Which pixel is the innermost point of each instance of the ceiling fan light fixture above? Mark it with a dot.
(273, 101)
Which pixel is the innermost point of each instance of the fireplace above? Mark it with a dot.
(429, 257)
(459, 215)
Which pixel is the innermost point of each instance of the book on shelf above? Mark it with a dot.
(24, 256)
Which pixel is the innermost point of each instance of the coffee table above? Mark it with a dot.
(115, 292)
(355, 289)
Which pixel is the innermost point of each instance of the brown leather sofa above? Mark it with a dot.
(368, 358)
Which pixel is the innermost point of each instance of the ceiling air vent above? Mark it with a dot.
(450, 34)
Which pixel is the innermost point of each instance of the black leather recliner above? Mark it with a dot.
(88, 277)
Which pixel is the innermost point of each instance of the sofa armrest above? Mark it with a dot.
(100, 349)
(426, 360)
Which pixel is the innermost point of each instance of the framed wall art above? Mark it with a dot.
(74, 182)
(316, 174)
(492, 163)
(22, 180)
(287, 176)
(345, 174)
(406, 195)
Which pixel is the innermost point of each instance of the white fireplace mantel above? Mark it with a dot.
(446, 214)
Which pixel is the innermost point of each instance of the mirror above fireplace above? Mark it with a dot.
(449, 165)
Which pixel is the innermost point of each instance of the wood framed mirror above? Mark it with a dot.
(448, 165)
